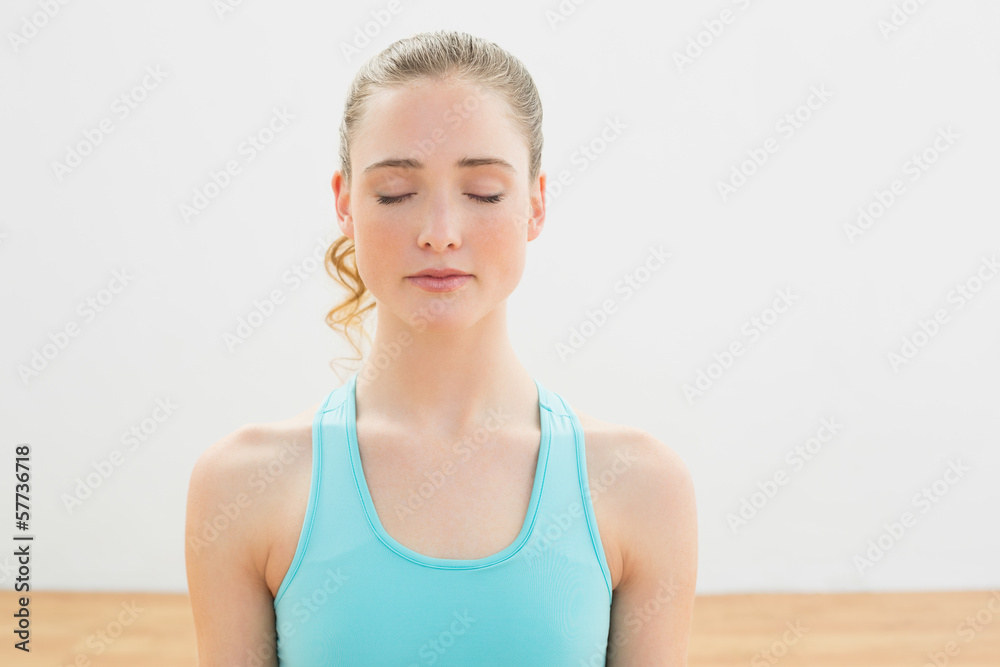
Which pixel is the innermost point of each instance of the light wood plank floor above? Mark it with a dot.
(855, 630)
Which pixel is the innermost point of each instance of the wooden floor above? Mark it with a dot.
(855, 630)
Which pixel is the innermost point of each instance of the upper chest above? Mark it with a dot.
(443, 504)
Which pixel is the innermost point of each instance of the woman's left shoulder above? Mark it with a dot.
(647, 491)
(621, 448)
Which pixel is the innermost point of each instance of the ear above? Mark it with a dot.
(536, 211)
(342, 195)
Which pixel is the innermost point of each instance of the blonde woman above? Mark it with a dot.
(441, 506)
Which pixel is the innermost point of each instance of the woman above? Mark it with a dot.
(441, 506)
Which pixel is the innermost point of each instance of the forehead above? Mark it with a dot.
(433, 120)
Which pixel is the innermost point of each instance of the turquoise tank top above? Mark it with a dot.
(355, 596)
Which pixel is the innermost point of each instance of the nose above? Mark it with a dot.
(441, 226)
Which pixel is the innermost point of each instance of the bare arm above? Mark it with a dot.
(225, 554)
(653, 604)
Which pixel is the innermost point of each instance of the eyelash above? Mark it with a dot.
(492, 199)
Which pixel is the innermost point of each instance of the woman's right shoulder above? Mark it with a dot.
(243, 491)
(238, 483)
(256, 454)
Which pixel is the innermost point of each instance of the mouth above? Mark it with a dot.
(438, 275)
(446, 272)
(444, 283)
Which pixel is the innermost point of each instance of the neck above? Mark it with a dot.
(445, 382)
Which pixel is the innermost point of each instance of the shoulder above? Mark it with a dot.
(226, 464)
(646, 485)
(238, 482)
(645, 457)
(653, 504)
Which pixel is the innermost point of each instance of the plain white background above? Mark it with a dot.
(699, 97)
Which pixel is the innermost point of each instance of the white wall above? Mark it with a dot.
(655, 185)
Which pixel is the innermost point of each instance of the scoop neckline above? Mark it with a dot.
(454, 563)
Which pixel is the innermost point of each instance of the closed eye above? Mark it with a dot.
(491, 199)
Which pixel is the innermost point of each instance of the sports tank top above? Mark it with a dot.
(355, 596)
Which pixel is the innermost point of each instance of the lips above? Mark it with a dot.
(439, 273)
(445, 283)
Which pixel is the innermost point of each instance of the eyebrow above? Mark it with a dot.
(410, 163)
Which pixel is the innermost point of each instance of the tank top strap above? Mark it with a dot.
(566, 524)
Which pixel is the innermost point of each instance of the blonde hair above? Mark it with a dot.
(440, 55)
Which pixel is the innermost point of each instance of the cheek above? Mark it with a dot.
(379, 231)
(504, 227)
(377, 244)
(503, 242)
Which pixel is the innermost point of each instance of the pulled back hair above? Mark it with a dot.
(439, 55)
